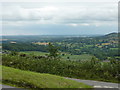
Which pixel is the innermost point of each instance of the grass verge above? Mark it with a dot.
(27, 79)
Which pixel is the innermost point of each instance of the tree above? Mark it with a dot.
(14, 53)
(53, 51)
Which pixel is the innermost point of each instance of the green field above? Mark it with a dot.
(77, 57)
(27, 79)
(114, 48)
(66, 56)
(34, 53)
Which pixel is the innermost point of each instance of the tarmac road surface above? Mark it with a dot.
(98, 84)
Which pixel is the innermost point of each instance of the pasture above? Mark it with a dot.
(64, 56)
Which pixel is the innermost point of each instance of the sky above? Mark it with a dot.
(58, 17)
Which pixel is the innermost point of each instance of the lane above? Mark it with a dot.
(98, 84)
(5, 86)
(95, 84)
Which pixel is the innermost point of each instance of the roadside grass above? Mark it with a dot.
(28, 79)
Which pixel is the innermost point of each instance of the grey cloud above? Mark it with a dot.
(61, 14)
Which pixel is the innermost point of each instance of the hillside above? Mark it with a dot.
(112, 35)
(27, 79)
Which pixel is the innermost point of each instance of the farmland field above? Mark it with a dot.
(34, 53)
(64, 56)
(77, 57)
(102, 47)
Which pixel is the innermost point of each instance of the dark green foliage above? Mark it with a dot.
(92, 69)
(20, 46)
(13, 53)
(53, 51)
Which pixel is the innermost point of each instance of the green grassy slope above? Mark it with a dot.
(27, 79)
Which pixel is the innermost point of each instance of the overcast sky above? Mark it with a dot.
(59, 17)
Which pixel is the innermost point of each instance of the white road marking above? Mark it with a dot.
(103, 87)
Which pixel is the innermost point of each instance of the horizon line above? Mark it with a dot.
(56, 34)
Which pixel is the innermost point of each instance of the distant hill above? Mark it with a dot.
(112, 35)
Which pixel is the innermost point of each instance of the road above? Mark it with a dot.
(6, 87)
(97, 84)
